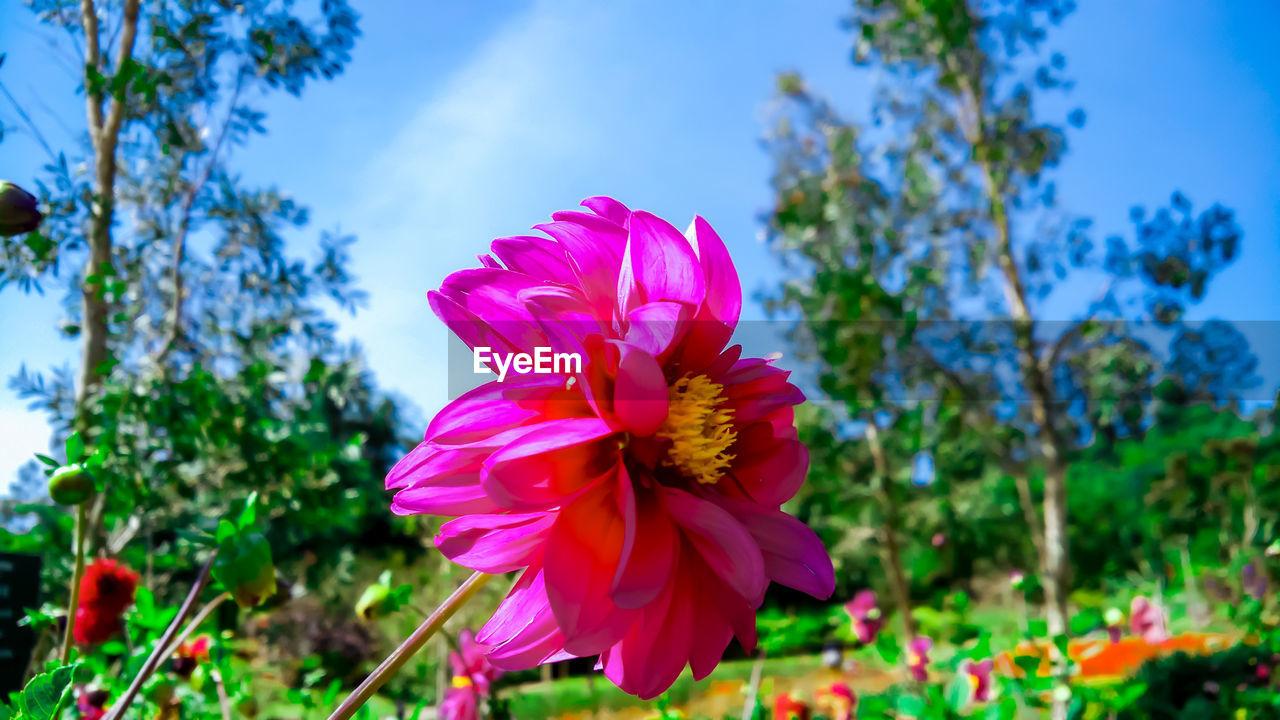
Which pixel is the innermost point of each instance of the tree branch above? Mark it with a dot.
(184, 225)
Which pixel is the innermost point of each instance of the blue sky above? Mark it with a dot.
(460, 122)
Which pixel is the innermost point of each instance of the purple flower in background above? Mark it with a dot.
(939, 540)
(1147, 620)
(866, 616)
(1254, 581)
(979, 679)
(918, 658)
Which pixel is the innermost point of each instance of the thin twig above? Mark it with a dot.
(35, 131)
(223, 701)
(184, 224)
(409, 647)
(195, 623)
(158, 656)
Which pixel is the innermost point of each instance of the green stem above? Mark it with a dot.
(76, 576)
(409, 647)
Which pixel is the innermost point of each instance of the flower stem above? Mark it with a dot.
(76, 576)
(195, 623)
(159, 654)
(409, 647)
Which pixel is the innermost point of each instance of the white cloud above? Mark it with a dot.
(473, 163)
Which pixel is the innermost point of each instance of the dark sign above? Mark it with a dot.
(19, 590)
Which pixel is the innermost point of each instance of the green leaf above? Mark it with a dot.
(46, 693)
(48, 460)
(887, 647)
(75, 448)
(226, 531)
(249, 515)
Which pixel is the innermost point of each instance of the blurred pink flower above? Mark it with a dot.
(472, 662)
(939, 540)
(461, 701)
(918, 658)
(1146, 619)
(92, 704)
(640, 493)
(979, 679)
(866, 616)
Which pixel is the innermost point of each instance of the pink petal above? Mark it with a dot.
(649, 549)
(655, 327)
(640, 394)
(494, 543)
(663, 262)
(608, 208)
(581, 560)
(494, 407)
(723, 543)
(793, 554)
(545, 466)
(535, 256)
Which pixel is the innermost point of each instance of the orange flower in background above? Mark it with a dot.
(786, 707)
(1102, 659)
(837, 701)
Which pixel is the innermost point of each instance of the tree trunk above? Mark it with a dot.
(892, 552)
(104, 135)
(1055, 560)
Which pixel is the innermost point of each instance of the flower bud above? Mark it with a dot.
(1113, 616)
(70, 485)
(373, 602)
(244, 568)
(19, 211)
(247, 707)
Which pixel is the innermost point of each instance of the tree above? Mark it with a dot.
(941, 217)
(209, 368)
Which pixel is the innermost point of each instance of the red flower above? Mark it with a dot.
(106, 591)
(189, 655)
(786, 707)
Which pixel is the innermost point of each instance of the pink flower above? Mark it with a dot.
(979, 679)
(866, 616)
(472, 662)
(1146, 619)
(640, 493)
(92, 704)
(918, 658)
(461, 701)
(939, 540)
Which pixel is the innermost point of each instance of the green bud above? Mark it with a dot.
(245, 569)
(70, 485)
(19, 210)
(247, 707)
(373, 603)
(1113, 617)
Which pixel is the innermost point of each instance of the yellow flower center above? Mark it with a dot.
(461, 681)
(700, 430)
